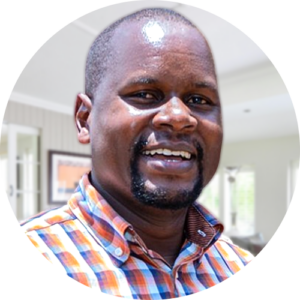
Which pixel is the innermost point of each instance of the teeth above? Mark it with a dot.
(168, 152)
(186, 154)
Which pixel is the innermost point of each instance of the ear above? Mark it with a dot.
(82, 113)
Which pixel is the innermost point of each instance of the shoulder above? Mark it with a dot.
(241, 253)
(47, 219)
(232, 255)
(48, 233)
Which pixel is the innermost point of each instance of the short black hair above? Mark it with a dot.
(99, 54)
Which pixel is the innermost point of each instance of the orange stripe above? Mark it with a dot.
(55, 219)
(70, 260)
(82, 278)
(33, 241)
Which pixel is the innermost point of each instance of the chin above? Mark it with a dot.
(164, 198)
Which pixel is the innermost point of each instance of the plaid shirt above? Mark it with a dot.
(98, 248)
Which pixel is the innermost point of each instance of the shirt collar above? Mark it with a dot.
(202, 228)
(109, 228)
(106, 226)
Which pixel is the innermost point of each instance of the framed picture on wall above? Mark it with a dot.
(65, 171)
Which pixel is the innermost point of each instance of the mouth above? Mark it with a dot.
(169, 154)
(169, 160)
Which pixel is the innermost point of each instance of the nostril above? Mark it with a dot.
(175, 122)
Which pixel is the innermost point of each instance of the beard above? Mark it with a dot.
(163, 198)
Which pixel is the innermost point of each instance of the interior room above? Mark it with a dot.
(254, 184)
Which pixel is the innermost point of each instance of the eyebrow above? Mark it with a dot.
(149, 80)
(142, 80)
(206, 85)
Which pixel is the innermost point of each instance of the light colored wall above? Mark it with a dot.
(271, 160)
(3, 148)
(57, 133)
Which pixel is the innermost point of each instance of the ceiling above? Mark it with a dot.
(248, 80)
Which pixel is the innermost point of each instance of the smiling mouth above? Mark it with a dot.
(168, 162)
(168, 158)
(168, 153)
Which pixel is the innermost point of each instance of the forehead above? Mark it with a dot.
(159, 45)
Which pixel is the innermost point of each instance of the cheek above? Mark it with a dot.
(211, 131)
(117, 130)
(103, 135)
(138, 117)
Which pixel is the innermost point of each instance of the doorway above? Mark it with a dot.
(20, 168)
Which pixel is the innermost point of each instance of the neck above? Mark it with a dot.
(161, 230)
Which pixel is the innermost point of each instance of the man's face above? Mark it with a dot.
(156, 128)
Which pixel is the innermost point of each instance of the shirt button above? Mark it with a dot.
(118, 251)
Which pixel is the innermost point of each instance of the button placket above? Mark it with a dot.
(175, 276)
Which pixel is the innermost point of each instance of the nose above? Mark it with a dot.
(175, 115)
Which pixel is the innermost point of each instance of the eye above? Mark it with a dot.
(145, 98)
(197, 100)
(145, 95)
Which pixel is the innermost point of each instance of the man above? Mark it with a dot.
(152, 114)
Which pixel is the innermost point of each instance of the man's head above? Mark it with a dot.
(154, 119)
(100, 53)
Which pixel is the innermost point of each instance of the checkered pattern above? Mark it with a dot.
(89, 241)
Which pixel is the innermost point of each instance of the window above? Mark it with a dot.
(210, 196)
(240, 192)
(3, 167)
(27, 165)
(294, 204)
(20, 165)
(233, 203)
